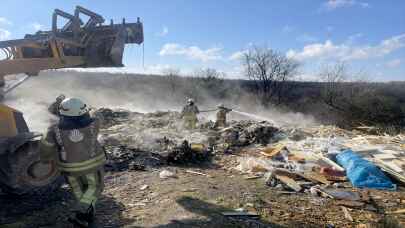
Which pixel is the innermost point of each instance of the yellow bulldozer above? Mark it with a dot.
(76, 44)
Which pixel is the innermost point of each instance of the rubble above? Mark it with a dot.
(161, 138)
(152, 161)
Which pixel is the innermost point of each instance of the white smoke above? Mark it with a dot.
(132, 92)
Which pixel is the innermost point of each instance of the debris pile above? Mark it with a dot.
(331, 163)
(121, 158)
(244, 133)
(304, 161)
(126, 135)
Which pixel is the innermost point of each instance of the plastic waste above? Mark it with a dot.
(362, 173)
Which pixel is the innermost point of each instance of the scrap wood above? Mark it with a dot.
(291, 183)
(335, 178)
(341, 194)
(347, 214)
(315, 177)
(197, 173)
(399, 163)
(273, 151)
(253, 177)
(329, 162)
(288, 173)
(384, 167)
(296, 158)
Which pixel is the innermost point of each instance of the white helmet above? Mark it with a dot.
(73, 107)
(190, 101)
(221, 106)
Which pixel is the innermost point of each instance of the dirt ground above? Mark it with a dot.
(143, 199)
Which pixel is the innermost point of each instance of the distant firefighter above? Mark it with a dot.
(221, 116)
(81, 158)
(54, 107)
(189, 114)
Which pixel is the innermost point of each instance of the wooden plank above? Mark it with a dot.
(316, 177)
(384, 156)
(197, 173)
(291, 183)
(330, 162)
(272, 151)
(398, 176)
(335, 178)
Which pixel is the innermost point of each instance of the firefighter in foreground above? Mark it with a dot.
(81, 158)
(189, 114)
(221, 116)
(54, 107)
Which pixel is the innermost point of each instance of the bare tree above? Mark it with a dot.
(209, 78)
(357, 101)
(209, 74)
(270, 72)
(172, 75)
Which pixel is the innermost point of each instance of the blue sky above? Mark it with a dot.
(188, 34)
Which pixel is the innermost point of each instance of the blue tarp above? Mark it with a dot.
(362, 173)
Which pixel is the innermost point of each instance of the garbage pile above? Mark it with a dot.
(330, 162)
(247, 132)
(121, 158)
(161, 135)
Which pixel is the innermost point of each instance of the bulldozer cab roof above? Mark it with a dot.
(12, 122)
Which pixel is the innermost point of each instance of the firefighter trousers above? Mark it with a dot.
(86, 188)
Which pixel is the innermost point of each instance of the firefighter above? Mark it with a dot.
(54, 107)
(189, 115)
(221, 116)
(80, 157)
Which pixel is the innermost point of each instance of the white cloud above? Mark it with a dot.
(288, 29)
(5, 21)
(193, 52)
(393, 63)
(237, 55)
(4, 34)
(329, 50)
(305, 38)
(37, 26)
(335, 4)
(164, 32)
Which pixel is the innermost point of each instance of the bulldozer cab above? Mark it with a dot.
(12, 122)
